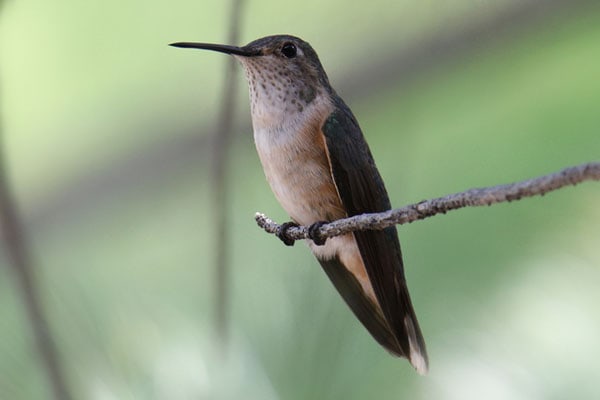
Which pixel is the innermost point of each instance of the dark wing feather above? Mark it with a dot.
(363, 307)
(361, 190)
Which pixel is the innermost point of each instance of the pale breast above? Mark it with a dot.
(297, 169)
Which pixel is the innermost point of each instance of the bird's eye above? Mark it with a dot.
(289, 50)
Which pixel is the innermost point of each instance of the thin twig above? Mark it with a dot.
(428, 208)
(19, 255)
(221, 147)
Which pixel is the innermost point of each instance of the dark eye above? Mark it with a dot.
(289, 50)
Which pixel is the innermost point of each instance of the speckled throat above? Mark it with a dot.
(277, 92)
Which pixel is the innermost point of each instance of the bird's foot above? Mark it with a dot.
(282, 233)
(314, 235)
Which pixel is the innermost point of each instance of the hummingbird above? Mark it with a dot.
(320, 169)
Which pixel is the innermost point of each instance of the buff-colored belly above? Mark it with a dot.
(299, 175)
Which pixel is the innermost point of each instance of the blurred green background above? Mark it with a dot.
(106, 135)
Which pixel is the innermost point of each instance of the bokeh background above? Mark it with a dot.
(107, 141)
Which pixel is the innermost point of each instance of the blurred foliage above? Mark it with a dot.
(506, 295)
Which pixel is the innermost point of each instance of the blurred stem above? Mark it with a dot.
(221, 159)
(18, 253)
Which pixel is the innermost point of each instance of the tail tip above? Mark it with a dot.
(418, 354)
(419, 362)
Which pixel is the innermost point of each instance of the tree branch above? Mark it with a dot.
(428, 208)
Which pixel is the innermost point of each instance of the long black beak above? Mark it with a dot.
(221, 48)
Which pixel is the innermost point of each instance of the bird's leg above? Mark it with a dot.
(282, 233)
(314, 235)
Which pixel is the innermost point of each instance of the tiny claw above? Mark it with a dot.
(315, 235)
(282, 233)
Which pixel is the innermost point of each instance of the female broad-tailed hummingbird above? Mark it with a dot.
(320, 169)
